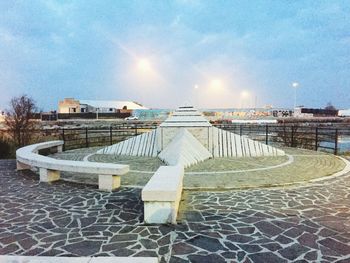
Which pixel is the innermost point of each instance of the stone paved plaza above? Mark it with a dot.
(304, 224)
(233, 173)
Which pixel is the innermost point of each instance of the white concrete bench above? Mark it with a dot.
(162, 195)
(45, 259)
(50, 168)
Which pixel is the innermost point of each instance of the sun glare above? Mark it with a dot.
(144, 65)
(216, 83)
(244, 94)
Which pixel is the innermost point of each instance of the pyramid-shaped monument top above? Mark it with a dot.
(186, 116)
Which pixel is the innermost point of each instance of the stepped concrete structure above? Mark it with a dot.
(184, 150)
(188, 133)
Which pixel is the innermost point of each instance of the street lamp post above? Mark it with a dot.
(295, 85)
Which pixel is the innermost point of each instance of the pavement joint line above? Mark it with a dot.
(289, 161)
(86, 158)
(300, 184)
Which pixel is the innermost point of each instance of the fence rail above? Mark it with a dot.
(319, 138)
(308, 137)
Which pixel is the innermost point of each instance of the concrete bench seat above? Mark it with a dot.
(49, 168)
(162, 195)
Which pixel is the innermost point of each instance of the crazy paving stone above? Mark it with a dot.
(207, 243)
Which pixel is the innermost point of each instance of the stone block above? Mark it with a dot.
(47, 175)
(160, 212)
(60, 148)
(162, 195)
(108, 182)
(22, 166)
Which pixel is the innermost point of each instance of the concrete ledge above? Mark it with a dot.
(39, 259)
(162, 195)
(108, 182)
(28, 157)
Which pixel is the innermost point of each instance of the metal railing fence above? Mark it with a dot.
(322, 138)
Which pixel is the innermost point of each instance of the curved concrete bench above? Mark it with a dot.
(162, 195)
(49, 168)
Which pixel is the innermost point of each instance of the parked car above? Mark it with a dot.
(131, 118)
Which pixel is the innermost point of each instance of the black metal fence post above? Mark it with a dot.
(267, 134)
(86, 138)
(240, 130)
(110, 135)
(135, 129)
(336, 142)
(316, 139)
(64, 140)
(292, 137)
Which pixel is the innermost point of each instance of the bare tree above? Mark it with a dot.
(330, 106)
(19, 119)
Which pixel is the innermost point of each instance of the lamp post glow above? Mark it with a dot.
(244, 97)
(295, 85)
(216, 83)
(144, 65)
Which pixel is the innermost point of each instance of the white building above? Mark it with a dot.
(344, 113)
(109, 105)
(71, 105)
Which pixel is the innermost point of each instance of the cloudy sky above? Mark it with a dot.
(167, 53)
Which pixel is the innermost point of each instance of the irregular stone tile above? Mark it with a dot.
(268, 228)
(239, 238)
(9, 249)
(207, 243)
(293, 232)
(308, 240)
(246, 230)
(265, 257)
(115, 246)
(124, 237)
(343, 249)
(283, 239)
(241, 255)
(182, 249)
(146, 253)
(122, 252)
(229, 255)
(177, 260)
(83, 248)
(250, 248)
(311, 256)
(163, 250)
(206, 258)
(272, 246)
(292, 252)
(148, 244)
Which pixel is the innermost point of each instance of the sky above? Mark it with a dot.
(164, 54)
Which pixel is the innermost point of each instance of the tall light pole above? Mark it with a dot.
(295, 85)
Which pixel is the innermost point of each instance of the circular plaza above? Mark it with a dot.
(308, 223)
(297, 167)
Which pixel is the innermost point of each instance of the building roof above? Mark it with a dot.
(116, 104)
(344, 113)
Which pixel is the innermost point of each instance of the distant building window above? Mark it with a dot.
(74, 110)
(83, 110)
(111, 109)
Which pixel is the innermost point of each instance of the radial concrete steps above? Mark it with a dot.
(145, 144)
(228, 144)
(184, 150)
